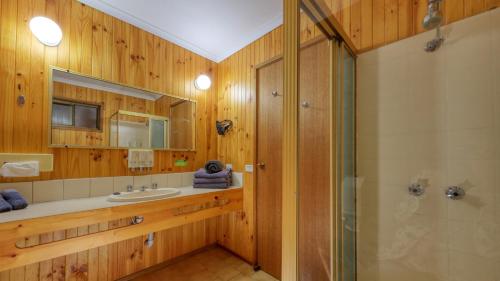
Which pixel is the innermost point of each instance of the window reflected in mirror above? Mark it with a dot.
(73, 115)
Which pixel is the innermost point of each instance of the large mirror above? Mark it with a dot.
(93, 113)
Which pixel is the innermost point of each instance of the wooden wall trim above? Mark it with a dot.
(77, 219)
(291, 35)
(280, 57)
(334, 212)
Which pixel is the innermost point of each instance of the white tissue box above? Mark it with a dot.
(20, 169)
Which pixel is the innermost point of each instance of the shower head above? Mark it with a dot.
(434, 18)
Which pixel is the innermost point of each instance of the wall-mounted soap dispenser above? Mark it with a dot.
(140, 159)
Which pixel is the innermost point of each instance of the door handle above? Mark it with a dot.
(261, 165)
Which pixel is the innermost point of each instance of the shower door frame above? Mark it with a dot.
(338, 152)
(326, 22)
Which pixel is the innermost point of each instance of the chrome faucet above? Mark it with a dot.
(143, 188)
(130, 188)
(154, 185)
(455, 192)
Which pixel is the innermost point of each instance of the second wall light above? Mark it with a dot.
(202, 82)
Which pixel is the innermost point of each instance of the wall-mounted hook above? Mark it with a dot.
(305, 104)
(223, 127)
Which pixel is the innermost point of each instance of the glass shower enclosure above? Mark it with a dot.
(399, 155)
(326, 151)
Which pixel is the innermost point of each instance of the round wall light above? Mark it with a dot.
(46, 31)
(202, 82)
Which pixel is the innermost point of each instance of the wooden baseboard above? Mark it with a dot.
(252, 263)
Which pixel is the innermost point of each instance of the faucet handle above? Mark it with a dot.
(154, 185)
(416, 189)
(455, 192)
(143, 188)
(130, 188)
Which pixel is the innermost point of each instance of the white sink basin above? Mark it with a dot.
(148, 194)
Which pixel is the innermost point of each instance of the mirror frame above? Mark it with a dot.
(51, 97)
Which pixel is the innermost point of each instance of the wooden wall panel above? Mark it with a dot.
(405, 19)
(115, 260)
(96, 44)
(373, 23)
(236, 101)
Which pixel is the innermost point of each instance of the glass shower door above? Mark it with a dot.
(346, 167)
(326, 191)
(315, 200)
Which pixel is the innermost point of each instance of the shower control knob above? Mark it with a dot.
(416, 189)
(455, 192)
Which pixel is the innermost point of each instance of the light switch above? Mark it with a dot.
(249, 168)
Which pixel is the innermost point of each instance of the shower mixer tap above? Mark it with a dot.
(455, 193)
(416, 189)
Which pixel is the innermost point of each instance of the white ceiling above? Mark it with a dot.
(214, 29)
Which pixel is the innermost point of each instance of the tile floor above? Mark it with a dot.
(213, 264)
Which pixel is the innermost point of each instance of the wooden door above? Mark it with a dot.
(269, 166)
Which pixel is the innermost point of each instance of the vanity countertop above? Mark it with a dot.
(39, 210)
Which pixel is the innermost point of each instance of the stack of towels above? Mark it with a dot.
(213, 176)
(10, 200)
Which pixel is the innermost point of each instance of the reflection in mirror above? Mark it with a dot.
(89, 112)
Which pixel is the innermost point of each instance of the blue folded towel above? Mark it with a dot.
(211, 185)
(202, 173)
(215, 180)
(15, 199)
(4, 205)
